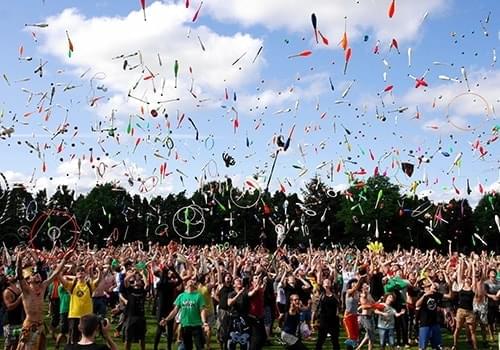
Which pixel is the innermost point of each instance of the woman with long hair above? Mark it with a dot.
(465, 311)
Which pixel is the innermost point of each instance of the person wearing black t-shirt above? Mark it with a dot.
(290, 333)
(135, 293)
(465, 311)
(167, 290)
(327, 312)
(224, 289)
(89, 326)
(428, 311)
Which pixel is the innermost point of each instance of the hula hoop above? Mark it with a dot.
(209, 169)
(469, 128)
(54, 232)
(188, 234)
(250, 185)
(169, 143)
(209, 142)
(31, 211)
(161, 230)
(101, 169)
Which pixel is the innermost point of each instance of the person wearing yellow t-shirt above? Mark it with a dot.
(80, 289)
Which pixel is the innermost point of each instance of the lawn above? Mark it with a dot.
(447, 340)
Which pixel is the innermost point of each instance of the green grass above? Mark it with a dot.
(151, 322)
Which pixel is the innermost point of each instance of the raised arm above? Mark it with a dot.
(19, 271)
(58, 269)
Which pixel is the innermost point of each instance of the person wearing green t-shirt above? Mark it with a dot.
(192, 306)
(64, 299)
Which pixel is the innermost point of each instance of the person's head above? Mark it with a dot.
(327, 283)
(351, 283)
(256, 279)
(389, 298)
(228, 279)
(81, 273)
(89, 325)
(468, 281)
(238, 283)
(294, 300)
(492, 274)
(192, 283)
(291, 280)
(137, 282)
(35, 279)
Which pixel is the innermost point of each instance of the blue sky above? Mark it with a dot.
(273, 93)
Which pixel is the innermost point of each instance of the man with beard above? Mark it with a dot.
(136, 285)
(167, 289)
(32, 333)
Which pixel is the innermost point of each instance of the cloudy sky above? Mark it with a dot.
(117, 108)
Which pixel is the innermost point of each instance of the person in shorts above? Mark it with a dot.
(64, 298)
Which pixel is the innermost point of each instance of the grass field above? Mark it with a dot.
(447, 340)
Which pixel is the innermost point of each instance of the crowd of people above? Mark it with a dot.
(247, 298)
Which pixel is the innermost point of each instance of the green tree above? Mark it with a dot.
(484, 219)
(370, 204)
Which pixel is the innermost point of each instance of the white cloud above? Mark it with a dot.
(363, 16)
(465, 109)
(97, 40)
(83, 181)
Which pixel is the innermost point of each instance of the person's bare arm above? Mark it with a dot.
(19, 271)
(58, 269)
(172, 313)
(10, 300)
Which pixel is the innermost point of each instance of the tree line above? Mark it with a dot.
(374, 210)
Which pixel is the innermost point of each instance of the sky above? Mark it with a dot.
(155, 100)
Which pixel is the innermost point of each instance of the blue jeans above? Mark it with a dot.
(429, 333)
(386, 336)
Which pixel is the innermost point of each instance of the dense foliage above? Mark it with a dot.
(367, 211)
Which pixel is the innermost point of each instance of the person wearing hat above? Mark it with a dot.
(33, 289)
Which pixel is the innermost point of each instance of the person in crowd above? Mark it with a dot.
(168, 287)
(290, 333)
(136, 286)
(327, 314)
(13, 318)
(33, 290)
(90, 325)
(80, 288)
(429, 323)
(191, 305)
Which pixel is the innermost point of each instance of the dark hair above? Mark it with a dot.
(89, 324)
